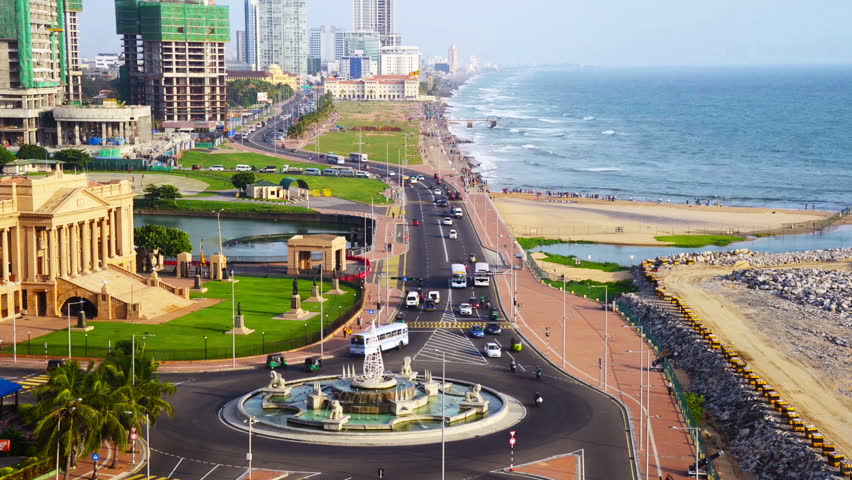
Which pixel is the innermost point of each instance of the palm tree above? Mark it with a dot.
(145, 393)
(110, 403)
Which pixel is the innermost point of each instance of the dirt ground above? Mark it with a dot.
(769, 333)
(637, 223)
(579, 274)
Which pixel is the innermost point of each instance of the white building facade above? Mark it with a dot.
(399, 60)
(378, 88)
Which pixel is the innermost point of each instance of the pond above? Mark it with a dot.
(205, 229)
(836, 237)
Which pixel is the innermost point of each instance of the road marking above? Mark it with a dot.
(454, 345)
(211, 471)
(176, 466)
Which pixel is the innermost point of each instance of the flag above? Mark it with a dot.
(203, 258)
(415, 73)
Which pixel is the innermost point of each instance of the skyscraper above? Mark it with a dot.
(279, 32)
(364, 15)
(175, 58)
(376, 16)
(35, 62)
(241, 46)
(453, 58)
(366, 42)
(74, 74)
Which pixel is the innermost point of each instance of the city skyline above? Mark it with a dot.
(620, 33)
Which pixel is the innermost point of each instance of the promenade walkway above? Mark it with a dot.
(577, 344)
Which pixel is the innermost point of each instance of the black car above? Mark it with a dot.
(430, 306)
(442, 202)
(493, 329)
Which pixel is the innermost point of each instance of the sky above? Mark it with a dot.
(615, 32)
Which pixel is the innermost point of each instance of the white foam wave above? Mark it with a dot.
(515, 130)
(589, 117)
(608, 132)
(599, 169)
(529, 146)
(547, 120)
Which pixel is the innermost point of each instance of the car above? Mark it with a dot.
(430, 306)
(434, 295)
(412, 299)
(196, 167)
(493, 328)
(465, 309)
(494, 315)
(442, 202)
(448, 221)
(477, 331)
(420, 178)
(362, 174)
(438, 192)
(217, 168)
(492, 350)
(453, 234)
(268, 169)
(415, 222)
(474, 302)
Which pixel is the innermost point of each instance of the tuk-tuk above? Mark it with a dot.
(517, 346)
(312, 364)
(276, 360)
(474, 302)
(495, 315)
(400, 317)
(55, 363)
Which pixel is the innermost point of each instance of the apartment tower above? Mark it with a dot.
(277, 33)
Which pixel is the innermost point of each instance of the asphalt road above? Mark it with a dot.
(195, 444)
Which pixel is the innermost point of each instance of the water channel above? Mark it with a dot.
(206, 229)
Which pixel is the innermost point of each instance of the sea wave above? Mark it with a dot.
(529, 146)
(589, 117)
(608, 132)
(598, 169)
(515, 130)
(547, 120)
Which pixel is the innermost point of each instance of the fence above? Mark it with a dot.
(677, 390)
(537, 271)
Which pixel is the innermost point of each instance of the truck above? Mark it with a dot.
(481, 274)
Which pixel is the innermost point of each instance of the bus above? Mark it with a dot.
(459, 276)
(481, 274)
(335, 159)
(393, 335)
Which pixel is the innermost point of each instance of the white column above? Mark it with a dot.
(93, 238)
(75, 249)
(31, 254)
(63, 249)
(5, 240)
(104, 241)
(52, 254)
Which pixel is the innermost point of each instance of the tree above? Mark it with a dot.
(170, 241)
(152, 195)
(170, 192)
(155, 193)
(32, 152)
(240, 180)
(79, 158)
(6, 156)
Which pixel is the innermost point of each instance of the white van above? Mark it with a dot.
(362, 174)
(242, 168)
(312, 171)
(412, 299)
(435, 296)
(347, 172)
(457, 212)
(330, 172)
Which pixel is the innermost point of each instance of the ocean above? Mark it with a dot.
(751, 136)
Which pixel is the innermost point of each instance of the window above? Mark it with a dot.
(180, 29)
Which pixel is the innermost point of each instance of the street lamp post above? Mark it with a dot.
(606, 332)
(641, 352)
(322, 312)
(695, 434)
(219, 225)
(68, 314)
(564, 331)
(147, 441)
(133, 355)
(233, 323)
(251, 421)
(59, 430)
(205, 347)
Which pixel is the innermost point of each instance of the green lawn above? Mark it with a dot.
(528, 243)
(240, 207)
(379, 146)
(694, 241)
(570, 260)
(183, 338)
(589, 288)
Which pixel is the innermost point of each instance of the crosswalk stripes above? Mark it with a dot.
(152, 477)
(454, 344)
(454, 325)
(30, 381)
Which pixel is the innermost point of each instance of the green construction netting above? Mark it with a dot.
(183, 22)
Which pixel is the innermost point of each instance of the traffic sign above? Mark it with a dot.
(133, 436)
(96, 457)
(132, 429)
(372, 312)
(404, 279)
(5, 445)
(512, 441)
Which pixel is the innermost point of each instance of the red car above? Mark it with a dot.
(415, 222)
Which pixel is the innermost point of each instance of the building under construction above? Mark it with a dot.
(175, 58)
(39, 54)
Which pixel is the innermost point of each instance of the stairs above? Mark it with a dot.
(126, 287)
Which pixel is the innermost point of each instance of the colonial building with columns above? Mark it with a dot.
(67, 245)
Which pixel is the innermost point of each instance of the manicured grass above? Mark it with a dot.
(570, 260)
(529, 243)
(240, 207)
(379, 146)
(694, 241)
(589, 288)
(261, 300)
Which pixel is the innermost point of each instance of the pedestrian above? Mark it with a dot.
(359, 321)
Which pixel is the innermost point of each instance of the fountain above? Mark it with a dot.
(375, 401)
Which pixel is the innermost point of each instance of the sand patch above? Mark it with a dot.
(578, 274)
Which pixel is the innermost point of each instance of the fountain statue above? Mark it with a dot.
(374, 367)
(474, 395)
(276, 381)
(406, 371)
(336, 410)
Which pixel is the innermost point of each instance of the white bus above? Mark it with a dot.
(393, 335)
(481, 274)
(459, 276)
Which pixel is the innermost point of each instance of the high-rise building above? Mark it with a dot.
(241, 46)
(323, 43)
(74, 73)
(355, 67)
(35, 64)
(175, 57)
(280, 35)
(251, 20)
(399, 60)
(339, 44)
(453, 58)
(367, 42)
(376, 16)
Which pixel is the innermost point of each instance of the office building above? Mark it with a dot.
(252, 20)
(314, 66)
(367, 42)
(376, 16)
(241, 46)
(364, 15)
(105, 61)
(339, 44)
(453, 58)
(38, 69)
(324, 43)
(355, 67)
(399, 60)
(381, 88)
(280, 35)
(175, 58)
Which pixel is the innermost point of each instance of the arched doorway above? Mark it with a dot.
(75, 304)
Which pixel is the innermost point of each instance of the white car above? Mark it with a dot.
(448, 221)
(465, 309)
(437, 192)
(453, 234)
(217, 168)
(492, 350)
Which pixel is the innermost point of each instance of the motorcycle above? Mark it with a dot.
(512, 366)
(538, 373)
(538, 400)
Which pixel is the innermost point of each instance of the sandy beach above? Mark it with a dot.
(637, 223)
